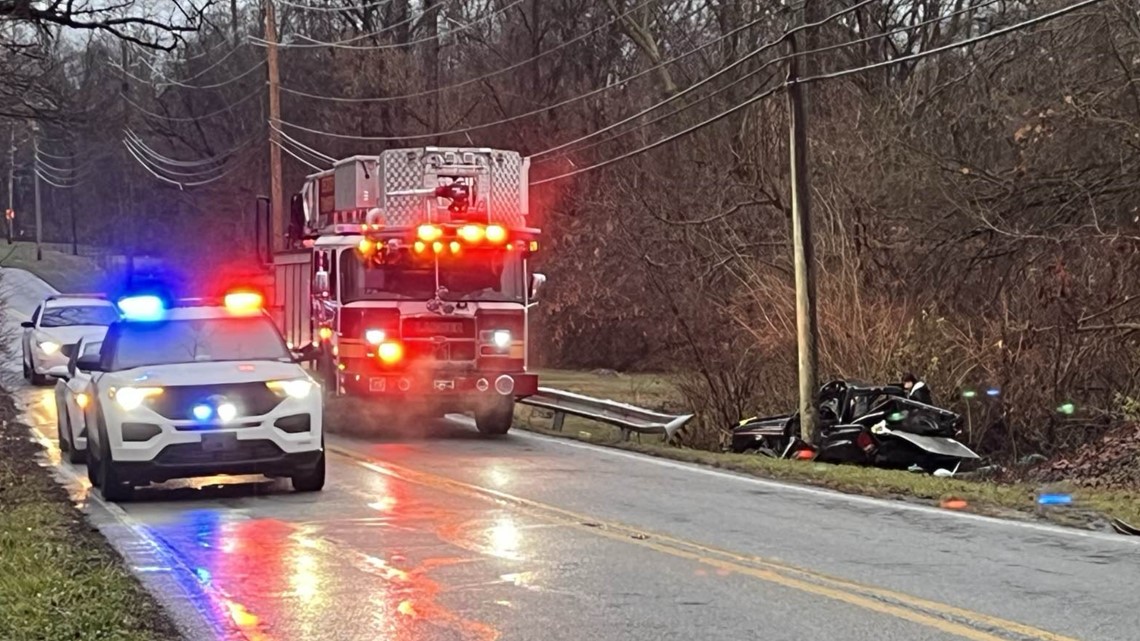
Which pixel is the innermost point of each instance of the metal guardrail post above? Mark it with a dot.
(559, 419)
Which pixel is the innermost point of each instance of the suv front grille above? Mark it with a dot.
(177, 402)
(194, 454)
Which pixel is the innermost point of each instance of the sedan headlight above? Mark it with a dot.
(130, 398)
(501, 338)
(49, 347)
(294, 388)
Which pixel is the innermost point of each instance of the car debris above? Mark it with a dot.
(877, 425)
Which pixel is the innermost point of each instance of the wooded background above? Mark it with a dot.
(976, 211)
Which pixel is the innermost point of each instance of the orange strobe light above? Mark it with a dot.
(243, 302)
(429, 233)
(496, 233)
(471, 233)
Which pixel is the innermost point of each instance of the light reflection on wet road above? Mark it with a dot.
(379, 558)
(383, 554)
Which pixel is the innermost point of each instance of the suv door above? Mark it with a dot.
(79, 387)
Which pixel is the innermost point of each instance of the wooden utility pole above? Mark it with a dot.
(806, 331)
(71, 207)
(10, 212)
(36, 176)
(276, 194)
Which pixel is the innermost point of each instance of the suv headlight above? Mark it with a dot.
(48, 347)
(130, 398)
(294, 388)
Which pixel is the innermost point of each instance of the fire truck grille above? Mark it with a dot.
(177, 402)
(449, 351)
(435, 326)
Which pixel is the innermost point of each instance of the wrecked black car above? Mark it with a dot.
(865, 425)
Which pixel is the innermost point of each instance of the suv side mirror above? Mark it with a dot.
(307, 353)
(28, 325)
(536, 283)
(89, 363)
(59, 371)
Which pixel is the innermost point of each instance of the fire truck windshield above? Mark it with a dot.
(490, 275)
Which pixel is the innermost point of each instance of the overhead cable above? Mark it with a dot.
(685, 132)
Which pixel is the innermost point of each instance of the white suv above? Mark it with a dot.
(195, 389)
(56, 326)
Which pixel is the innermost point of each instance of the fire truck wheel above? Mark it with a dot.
(326, 373)
(497, 419)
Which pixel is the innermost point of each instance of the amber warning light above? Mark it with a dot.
(243, 302)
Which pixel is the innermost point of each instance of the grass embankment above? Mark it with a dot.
(62, 271)
(59, 579)
(1000, 499)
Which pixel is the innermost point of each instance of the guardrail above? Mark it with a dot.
(621, 415)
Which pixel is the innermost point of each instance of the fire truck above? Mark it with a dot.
(407, 281)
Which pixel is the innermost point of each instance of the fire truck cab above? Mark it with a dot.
(408, 278)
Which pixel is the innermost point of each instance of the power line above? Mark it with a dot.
(762, 48)
(295, 156)
(226, 109)
(750, 74)
(179, 184)
(954, 45)
(154, 55)
(181, 83)
(837, 74)
(395, 45)
(216, 85)
(346, 42)
(54, 184)
(544, 109)
(215, 160)
(187, 174)
(297, 143)
(497, 72)
(640, 150)
(307, 7)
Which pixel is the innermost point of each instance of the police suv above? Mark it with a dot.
(193, 388)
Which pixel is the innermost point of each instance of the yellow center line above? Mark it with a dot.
(946, 618)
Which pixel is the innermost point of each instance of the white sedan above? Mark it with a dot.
(198, 390)
(56, 326)
(72, 398)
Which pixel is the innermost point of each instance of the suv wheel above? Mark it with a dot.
(313, 480)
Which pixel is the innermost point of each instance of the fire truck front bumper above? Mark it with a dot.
(473, 385)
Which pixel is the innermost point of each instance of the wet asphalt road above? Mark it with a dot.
(450, 536)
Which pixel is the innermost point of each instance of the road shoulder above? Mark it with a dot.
(59, 578)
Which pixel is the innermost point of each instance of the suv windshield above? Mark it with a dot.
(78, 315)
(475, 275)
(197, 341)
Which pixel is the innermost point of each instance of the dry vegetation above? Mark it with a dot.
(975, 210)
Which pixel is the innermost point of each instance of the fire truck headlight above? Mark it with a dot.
(501, 338)
(374, 336)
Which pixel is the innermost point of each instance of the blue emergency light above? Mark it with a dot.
(142, 307)
(202, 412)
